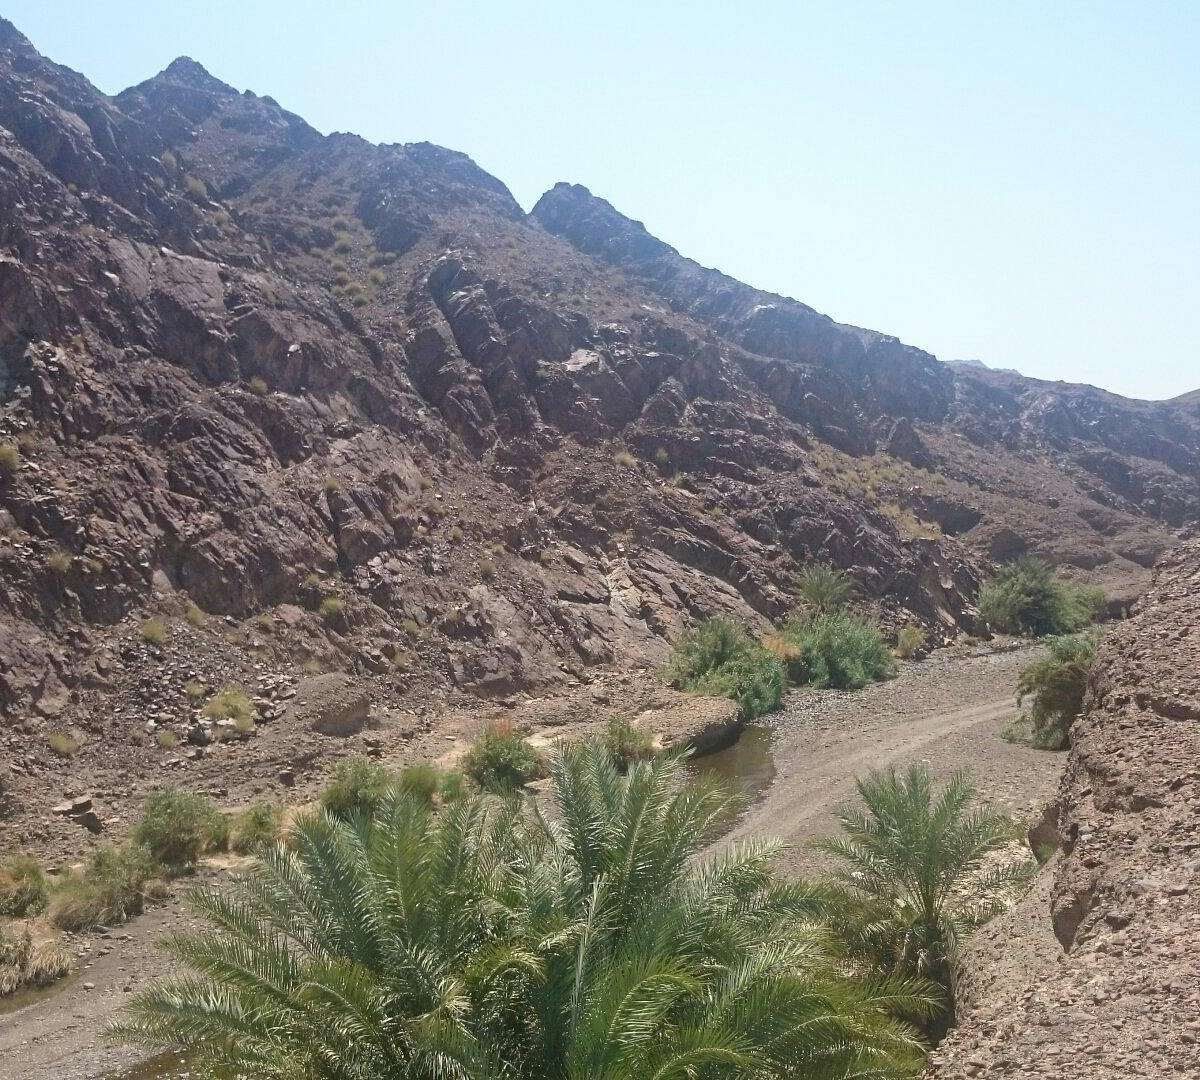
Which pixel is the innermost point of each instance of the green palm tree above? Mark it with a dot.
(825, 589)
(915, 878)
(591, 940)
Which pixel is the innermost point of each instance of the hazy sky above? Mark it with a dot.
(1015, 182)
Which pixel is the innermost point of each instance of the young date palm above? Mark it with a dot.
(825, 589)
(915, 878)
(589, 941)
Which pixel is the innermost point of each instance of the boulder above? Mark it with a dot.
(331, 704)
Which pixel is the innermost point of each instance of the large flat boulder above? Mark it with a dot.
(332, 704)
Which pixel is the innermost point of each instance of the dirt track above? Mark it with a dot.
(949, 711)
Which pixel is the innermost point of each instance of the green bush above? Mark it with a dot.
(626, 743)
(718, 657)
(110, 888)
(825, 589)
(1026, 597)
(356, 785)
(420, 781)
(502, 761)
(1056, 683)
(177, 827)
(255, 828)
(838, 650)
(23, 889)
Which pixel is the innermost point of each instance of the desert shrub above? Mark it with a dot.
(111, 887)
(331, 484)
(166, 739)
(626, 743)
(339, 224)
(59, 561)
(154, 632)
(222, 220)
(255, 827)
(356, 785)
(825, 589)
(420, 781)
(312, 666)
(487, 569)
(264, 621)
(342, 245)
(411, 627)
(23, 889)
(258, 386)
(720, 658)
(62, 744)
(194, 690)
(10, 460)
(1055, 684)
(838, 650)
(26, 964)
(1027, 597)
(331, 608)
(625, 459)
(195, 188)
(177, 827)
(910, 641)
(231, 703)
(377, 277)
(502, 760)
(195, 617)
(169, 160)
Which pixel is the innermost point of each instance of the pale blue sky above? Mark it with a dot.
(1016, 182)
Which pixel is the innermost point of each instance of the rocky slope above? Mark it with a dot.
(1097, 973)
(249, 368)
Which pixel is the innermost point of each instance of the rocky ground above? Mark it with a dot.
(1096, 974)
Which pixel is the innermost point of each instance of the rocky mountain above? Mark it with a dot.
(313, 403)
(1095, 973)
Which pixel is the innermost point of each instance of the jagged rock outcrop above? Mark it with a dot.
(1096, 975)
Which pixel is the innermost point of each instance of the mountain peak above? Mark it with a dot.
(186, 71)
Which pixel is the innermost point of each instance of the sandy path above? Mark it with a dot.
(948, 711)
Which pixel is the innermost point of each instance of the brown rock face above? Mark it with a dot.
(1097, 974)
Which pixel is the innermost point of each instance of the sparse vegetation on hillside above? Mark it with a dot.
(231, 703)
(255, 828)
(154, 632)
(910, 640)
(718, 657)
(10, 460)
(1055, 685)
(1027, 597)
(607, 944)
